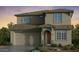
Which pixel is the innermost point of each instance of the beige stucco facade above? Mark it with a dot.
(66, 19)
(68, 41)
(36, 38)
(62, 42)
(36, 20)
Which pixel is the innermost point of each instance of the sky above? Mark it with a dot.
(7, 12)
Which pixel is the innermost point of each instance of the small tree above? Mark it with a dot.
(4, 36)
(77, 26)
(75, 36)
(10, 25)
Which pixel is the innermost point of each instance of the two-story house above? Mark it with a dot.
(44, 27)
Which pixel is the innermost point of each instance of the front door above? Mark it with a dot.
(47, 37)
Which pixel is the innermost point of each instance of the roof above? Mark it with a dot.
(62, 27)
(31, 27)
(23, 27)
(44, 11)
(58, 27)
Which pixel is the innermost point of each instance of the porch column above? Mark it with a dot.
(43, 39)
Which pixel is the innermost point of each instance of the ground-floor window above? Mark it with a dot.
(61, 35)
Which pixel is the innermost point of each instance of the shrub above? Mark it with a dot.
(59, 45)
(37, 48)
(67, 47)
(40, 45)
(72, 47)
(53, 45)
(76, 46)
(43, 49)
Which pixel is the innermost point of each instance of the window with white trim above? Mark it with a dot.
(61, 35)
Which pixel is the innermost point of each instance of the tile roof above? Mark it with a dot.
(58, 27)
(23, 27)
(44, 11)
(28, 27)
(62, 27)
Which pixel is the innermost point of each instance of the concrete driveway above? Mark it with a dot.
(15, 49)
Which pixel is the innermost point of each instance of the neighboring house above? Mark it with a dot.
(43, 28)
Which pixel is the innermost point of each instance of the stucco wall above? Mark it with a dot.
(53, 36)
(66, 19)
(37, 20)
(18, 20)
(12, 37)
(63, 42)
(34, 20)
(49, 19)
(68, 41)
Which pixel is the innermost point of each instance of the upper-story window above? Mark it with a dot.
(57, 18)
(24, 20)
